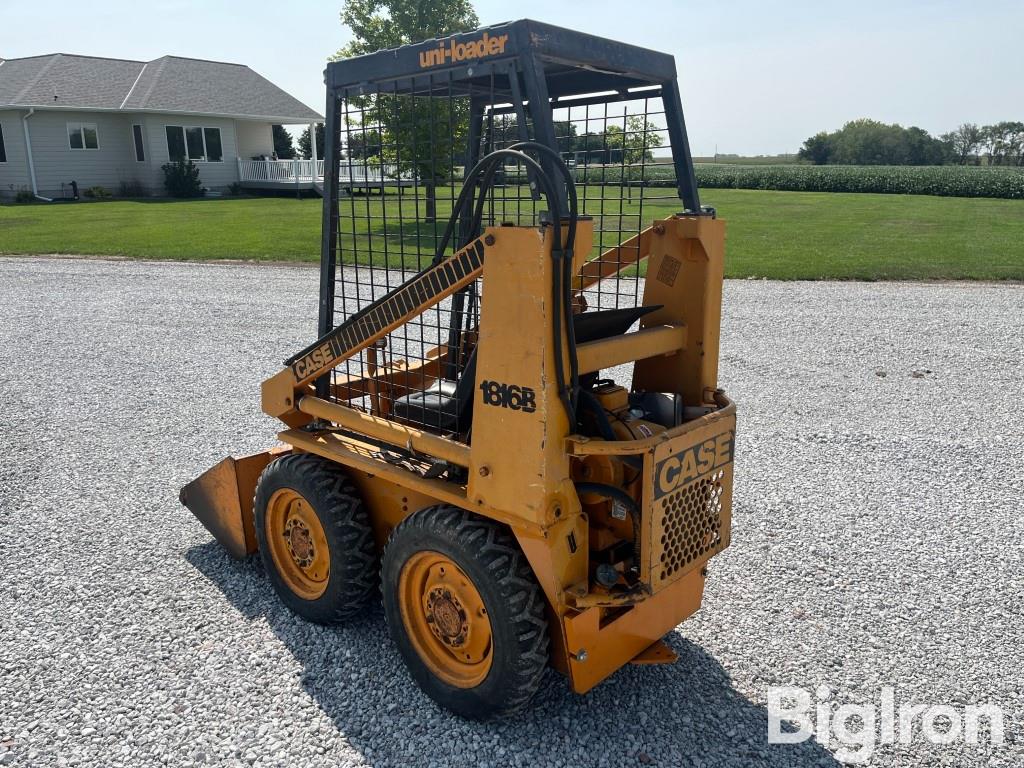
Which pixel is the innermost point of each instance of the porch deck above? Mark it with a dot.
(309, 174)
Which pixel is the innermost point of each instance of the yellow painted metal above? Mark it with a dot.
(367, 458)
(387, 430)
(221, 498)
(649, 342)
(532, 480)
(684, 274)
(297, 542)
(688, 500)
(612, 261)
(658, 653)
(282, 392)
(521, 462)
(599, 644)
(445, 619)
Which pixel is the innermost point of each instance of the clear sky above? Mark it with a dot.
(756, 77)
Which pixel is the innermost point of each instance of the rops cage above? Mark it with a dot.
(403, 125)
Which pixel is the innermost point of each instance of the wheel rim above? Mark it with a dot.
(298, 545)
(446, 619)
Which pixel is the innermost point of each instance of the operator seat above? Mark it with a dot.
(445, 406)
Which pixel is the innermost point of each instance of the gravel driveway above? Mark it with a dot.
(878, 537)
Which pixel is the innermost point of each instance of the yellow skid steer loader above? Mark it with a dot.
(510, 422)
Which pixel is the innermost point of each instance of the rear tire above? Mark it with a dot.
(315, 538)
(465, 611)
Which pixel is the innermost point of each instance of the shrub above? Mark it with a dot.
(181, 179)
(131, 189)
(97, 192)
(235, 189)
(24, 196)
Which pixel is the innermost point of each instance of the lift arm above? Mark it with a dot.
(282, 391)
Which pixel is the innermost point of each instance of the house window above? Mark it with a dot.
(140, 148)
(194, 143)
(83, 136)
(175, 142)
(214, 154)
(3, 149)
(194, 140)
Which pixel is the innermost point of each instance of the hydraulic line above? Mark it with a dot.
(485, 171)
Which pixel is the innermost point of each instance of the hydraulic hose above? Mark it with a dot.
(563, 292)
(485, 170)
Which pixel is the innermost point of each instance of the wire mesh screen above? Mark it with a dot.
(404, 154)
(619, 153)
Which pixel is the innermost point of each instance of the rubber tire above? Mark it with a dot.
(353, 557)
(490, 556)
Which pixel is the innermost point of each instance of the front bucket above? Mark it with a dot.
(222, 498)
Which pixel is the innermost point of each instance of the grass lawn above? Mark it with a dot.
(783, 235)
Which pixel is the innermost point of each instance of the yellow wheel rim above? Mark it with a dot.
(446, 619)
(297, 544)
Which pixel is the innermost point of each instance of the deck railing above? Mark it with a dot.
(298, 171)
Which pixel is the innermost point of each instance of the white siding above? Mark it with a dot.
(254, 139)
(14, 173)
(56, 163)
(114, 161)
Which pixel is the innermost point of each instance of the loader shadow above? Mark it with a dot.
(679, 716)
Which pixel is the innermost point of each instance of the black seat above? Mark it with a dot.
(447, 406)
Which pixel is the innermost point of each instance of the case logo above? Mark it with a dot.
(452, 52)
(692, 463)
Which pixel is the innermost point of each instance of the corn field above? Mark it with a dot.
(943, 181)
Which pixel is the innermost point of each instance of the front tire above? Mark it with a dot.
(465, 611)
(315, 538)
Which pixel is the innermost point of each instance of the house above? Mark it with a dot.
(104, 122)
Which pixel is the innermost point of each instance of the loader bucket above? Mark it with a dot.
(222, 499)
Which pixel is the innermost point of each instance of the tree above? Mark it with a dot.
(377, 24)
(964, 142)
(422, 136)
(818, 149)
(364, 144)
(922, 149)
(306, 149)
(565, 136)
(634, 144)
(869, 142)
(1004, 143)
(283, 147)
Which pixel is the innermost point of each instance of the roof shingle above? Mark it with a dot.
(167, 84)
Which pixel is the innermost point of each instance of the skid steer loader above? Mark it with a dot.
(510, 422)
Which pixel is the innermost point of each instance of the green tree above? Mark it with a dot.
(378, 24)
(634, 144)
(423, 136)
(283, 146)
(964, 142)
(565, 135)
(306, 149)
(1004, 143)
(870, 142)
(818, 149)
(364, 144)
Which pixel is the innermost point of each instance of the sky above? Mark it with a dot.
(756, 77)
